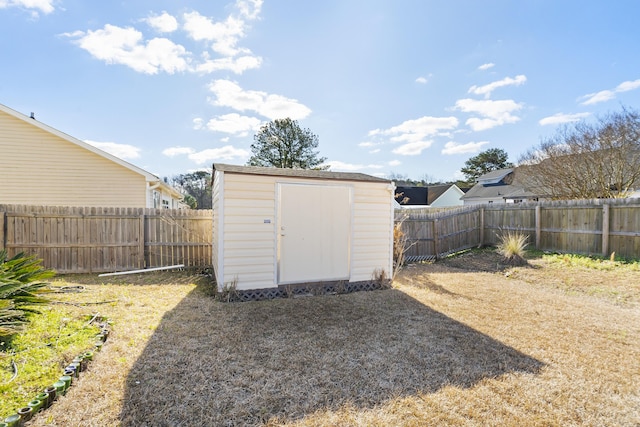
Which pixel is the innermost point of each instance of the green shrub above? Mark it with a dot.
(21, 287)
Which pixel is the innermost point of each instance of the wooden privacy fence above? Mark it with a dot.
(591, 227)
(92, 240)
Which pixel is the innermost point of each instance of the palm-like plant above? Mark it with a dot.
(21, 287)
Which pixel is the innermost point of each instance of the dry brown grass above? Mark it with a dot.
(446, 346)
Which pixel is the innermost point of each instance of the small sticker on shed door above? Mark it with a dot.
(314, 232)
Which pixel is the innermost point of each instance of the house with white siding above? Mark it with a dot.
(42, 166)
(429, 196)
(280, 231)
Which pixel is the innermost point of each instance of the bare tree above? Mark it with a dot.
(587, 160)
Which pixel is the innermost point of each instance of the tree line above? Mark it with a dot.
(581, 160)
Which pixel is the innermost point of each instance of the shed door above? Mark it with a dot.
(314, 232)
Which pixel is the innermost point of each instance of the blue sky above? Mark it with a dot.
(412, 88)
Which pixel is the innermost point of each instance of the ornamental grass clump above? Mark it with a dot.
(512, 247)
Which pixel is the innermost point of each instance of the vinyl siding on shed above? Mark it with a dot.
(372, 230)
(249, 242)
(217, 217)
(40, 168)
(246, 251)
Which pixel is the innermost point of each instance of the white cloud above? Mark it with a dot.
(234, 123)
(628, 85)
(412, 134)
(367, 144)
(249, 9)
(122, 151)
(198, 123)
(595, 98)
(229, 94)
(44, 6)
(223, 35)
(560, 118)
(416, 130)
(486, 66)
(176, 151)
(116, 45)
(226, 153)
(394, 163)
(423, 79)
(350, 167)
(606, 95)
(452, 147)
(237, 65)
(163, 23)
(494, 113)
(488, 88)
(413, 148)
(128, 46)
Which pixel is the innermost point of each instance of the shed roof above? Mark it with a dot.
(297, 173)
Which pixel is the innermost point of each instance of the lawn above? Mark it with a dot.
(460, 342)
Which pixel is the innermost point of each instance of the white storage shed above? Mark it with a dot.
(277, 231)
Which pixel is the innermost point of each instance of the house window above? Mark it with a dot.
(165, 203)
(517, 200)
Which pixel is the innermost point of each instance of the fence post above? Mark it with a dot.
(538, 227)
(481, 243)
(436, 248)
(2, 230)
(141, 243)
(605, 230)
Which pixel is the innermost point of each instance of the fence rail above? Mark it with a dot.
(92, 240)
(591, 227)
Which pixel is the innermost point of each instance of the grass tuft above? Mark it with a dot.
(594, 262)
(512, 247)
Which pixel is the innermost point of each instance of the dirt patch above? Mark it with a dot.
(486, 260)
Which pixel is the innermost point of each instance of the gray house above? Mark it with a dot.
(499, 186)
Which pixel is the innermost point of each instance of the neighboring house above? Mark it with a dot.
(499, 186)
(433, 196)
(43, 166)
